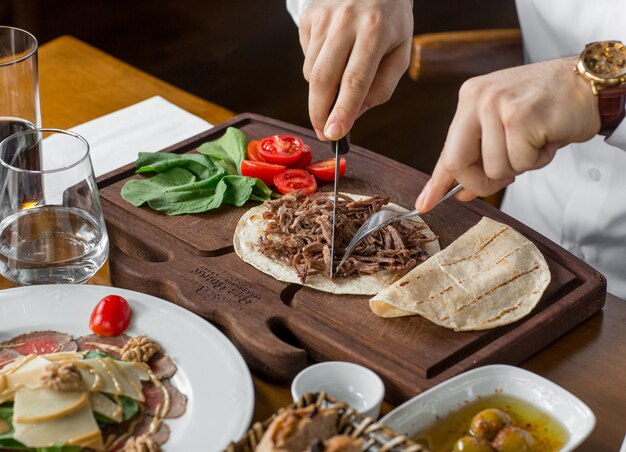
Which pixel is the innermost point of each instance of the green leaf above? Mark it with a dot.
(199, 165)
(130, 407)
(95, 354)
(138, 191)
(228, 151)
(59, 448)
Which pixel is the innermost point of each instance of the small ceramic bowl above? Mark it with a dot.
(356, 385)
(426, 408)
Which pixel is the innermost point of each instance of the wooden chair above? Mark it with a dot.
(460, 55)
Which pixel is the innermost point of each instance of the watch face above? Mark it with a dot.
(605, 60)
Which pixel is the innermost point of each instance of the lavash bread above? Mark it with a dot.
(490, 276)
(295, 429)
(251, 226)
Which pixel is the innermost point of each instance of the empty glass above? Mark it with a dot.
(51, 224)
(19, 82)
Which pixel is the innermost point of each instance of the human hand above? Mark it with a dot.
(363, 46)
(509, 122)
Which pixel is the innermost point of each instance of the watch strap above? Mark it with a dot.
(612, 108)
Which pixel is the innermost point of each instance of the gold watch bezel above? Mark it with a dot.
(598, 80)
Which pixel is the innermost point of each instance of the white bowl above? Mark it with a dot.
(424, 409)
(356, 385)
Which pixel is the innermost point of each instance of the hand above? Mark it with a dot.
(363, 46)
(509, 122)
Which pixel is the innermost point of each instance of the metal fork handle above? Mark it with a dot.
(361, 234)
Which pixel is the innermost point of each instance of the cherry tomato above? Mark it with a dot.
(281, 149)
(253, 151)
(110, 317)
(294, 180)
(261, 170)
(305, 158)
(325, 169)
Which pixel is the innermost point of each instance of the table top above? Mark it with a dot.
(80, 83)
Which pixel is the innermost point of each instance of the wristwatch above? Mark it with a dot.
(604, 65)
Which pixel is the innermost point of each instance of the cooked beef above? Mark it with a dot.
(108, 344)
(41, 343)
(300, 233)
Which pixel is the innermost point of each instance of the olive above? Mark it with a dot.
(487, 423)
(471, 444)
(513, 439)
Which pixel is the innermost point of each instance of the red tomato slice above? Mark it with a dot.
(261, 170)
(281, 149)
(253, 151)
(293, 180)
(110, 317)
(325, 169)
(305, 158)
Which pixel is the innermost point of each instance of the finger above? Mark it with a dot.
(494, 155)
(524, 156)
(390, 70)
(325, 80)
(474, 179)
(312, 51)
(355, 84)
(438, 185)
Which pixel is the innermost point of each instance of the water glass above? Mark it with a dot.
(51, 224)
(19, 82)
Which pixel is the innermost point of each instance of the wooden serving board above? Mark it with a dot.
(279, 327)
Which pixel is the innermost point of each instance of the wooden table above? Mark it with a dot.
(80, 83)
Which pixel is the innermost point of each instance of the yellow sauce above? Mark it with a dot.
(548, 433)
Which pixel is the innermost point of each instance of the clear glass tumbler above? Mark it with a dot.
(52, 228)
(19, 82)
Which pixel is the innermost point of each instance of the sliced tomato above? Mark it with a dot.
(262, 170)
(253, 151)
(325, 169)
(305, 158)
(110, 317)
(294, 180)
(281, 149)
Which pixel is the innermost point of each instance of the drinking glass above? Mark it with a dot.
(51, 224)
(19, 82)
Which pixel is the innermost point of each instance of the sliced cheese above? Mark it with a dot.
(44, 404)
(76, 428)
(26, 372)
(103, 405)
(118, 377)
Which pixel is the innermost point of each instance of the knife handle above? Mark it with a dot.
(342, 146)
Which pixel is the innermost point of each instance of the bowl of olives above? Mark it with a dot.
(496, 408)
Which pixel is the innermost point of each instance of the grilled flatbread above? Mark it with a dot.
(490, 276)
(252, 225)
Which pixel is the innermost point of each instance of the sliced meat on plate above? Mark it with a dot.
(41, 343)
(162, 366)
(7, 355)
(110, 345)
(155, 398)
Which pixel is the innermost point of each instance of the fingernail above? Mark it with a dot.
(333, 131)
(419, 202)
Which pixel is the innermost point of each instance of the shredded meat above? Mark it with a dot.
(300, 231)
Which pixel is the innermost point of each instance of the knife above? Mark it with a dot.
(339, 147)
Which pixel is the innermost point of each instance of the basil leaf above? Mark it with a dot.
(228, 151)
(95, 354)
(199, 165)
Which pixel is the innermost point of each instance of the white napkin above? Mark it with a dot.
(148, 126)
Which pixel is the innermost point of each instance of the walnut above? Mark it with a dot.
(143, 443)
(140, 348)
(62, 377)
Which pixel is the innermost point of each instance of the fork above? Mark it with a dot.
(382, 218)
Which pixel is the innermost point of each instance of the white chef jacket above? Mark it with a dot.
(579, 199)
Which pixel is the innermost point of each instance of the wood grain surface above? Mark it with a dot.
(588, 361)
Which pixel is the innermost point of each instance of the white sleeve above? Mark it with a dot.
(295, 8)
(618, 137)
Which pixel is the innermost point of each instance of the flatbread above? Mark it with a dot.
(251, 227)
(490, 276)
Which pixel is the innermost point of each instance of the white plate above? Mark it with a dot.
(211, 372)
(424, 409)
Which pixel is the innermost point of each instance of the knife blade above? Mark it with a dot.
(339, 147)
